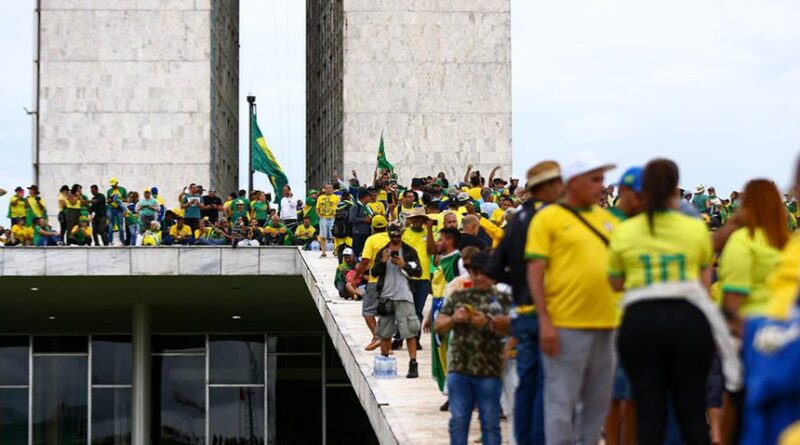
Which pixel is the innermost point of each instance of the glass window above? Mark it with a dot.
(295, 343)
(179, 397)
(236, 415)
(111, 360)
(60, 400)
(236, 359)
(297, 395)
(13, 360)
(111, 416)
(14, 416)
(178, 344)
(62, 344)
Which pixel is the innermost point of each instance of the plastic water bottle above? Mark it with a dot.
(392, 371)
(379, 367)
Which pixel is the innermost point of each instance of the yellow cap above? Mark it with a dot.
(114, 181)
(379, 222)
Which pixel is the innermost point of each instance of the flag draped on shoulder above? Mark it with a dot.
(383, 163)
(264, 161)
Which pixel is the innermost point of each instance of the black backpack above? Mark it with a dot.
(341, 223)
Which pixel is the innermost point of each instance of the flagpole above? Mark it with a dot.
(252, 101)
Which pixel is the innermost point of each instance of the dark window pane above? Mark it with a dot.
(179, 343)
(13, 360)
(111, 360)
(298, 395)
(295, 343)
(346, 418)
(59, 400)
(236, 415)
(14, 416)
(179, 400)
(236, 359)
(64, 344)
(111, 416)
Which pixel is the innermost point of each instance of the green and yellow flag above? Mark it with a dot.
(383, 163)
(264, 161)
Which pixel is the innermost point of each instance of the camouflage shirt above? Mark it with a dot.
(477, 352)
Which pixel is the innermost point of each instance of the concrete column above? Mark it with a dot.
(141, 374)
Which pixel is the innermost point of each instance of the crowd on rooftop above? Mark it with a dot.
(572, 308)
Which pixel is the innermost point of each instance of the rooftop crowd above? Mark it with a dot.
(576, 310)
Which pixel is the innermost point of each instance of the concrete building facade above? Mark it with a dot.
(144, 91)
(433, 75)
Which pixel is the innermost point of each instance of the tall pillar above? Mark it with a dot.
(141, 374)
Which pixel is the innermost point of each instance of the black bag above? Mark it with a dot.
(385, 307)
(341, 224)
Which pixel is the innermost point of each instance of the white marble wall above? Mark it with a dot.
(149, 261)
(125, 92)
(435, 77)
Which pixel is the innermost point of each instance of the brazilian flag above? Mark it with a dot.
(383, 163)
(264, 161)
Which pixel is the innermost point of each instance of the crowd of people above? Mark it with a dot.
(574, 309)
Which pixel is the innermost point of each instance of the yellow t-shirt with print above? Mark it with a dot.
(23, 233)
(326, 205)
(744, 266)
(372, 246)
(475, 193)
(577, 292)
(377, 208)
(73, 205)
(783, 280)
(677, 249)
(305, 232)
(419, 241)
(184, 232)
(87, 230)
(205, 233)
(16, 207)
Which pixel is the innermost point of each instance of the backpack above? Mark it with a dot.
(341, 223)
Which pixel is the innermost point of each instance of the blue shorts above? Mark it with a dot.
(622, 386)
(326, 228)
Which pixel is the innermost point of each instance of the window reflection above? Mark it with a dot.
(179, 400)
(60, 400)
(111, 360)
(13, 360)
(111, 416)
(14, 416)
(236, 359)
(236, 415)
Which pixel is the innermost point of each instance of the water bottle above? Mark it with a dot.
(391, 368)
(377, 367)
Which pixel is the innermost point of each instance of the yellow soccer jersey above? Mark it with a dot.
(782, 282)
(744, 266)
(373, 245)
(419, 241)
(578, 294)
(303, 232)
(677, 249)
(326, 205)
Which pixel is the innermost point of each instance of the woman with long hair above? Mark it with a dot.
(662, 259)
(752, 252)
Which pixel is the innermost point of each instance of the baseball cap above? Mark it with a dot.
(347, 251)
(378, 222)
(542, 172)
(514, 178)
(19, 189)
(463, 197)
(583, 162)
(154, 190)
(114, 181)
(632, 178)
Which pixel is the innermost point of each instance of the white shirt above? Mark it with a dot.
(288, 208)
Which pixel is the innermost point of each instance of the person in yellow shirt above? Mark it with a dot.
(419, 235)
(16, 205)
(752, 252)
(327, 203)
(369, 305)
(179, 233)
(662, 259)
(34, 207)
(575, 304)
(23, 235)
(784, 279)
(304, 233)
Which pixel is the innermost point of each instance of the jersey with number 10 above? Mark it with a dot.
(676, 250)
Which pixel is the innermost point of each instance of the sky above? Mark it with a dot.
(711, 84)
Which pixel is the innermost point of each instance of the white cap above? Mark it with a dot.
(514, 178)
(583, 162)
(347, 251)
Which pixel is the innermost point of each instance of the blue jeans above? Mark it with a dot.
(133, 232)
(52, 240)
(115, 216)
(529, 398)
(464, 392)
(209, 241)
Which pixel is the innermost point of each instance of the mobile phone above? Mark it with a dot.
(395, 254)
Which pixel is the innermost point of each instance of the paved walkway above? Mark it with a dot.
(401, 410)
